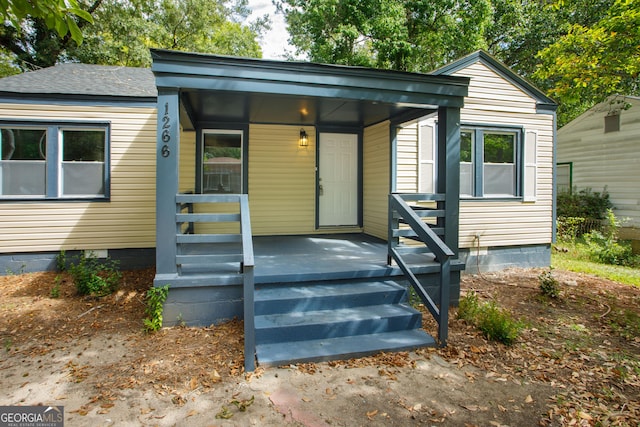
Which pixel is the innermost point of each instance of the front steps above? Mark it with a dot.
(340, 319)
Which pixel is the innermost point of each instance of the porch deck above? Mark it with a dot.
(284, 259)
(287, 259)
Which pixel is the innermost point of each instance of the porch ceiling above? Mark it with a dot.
(208, 106)
(229, 89)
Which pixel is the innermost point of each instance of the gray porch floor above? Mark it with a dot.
(320, 257)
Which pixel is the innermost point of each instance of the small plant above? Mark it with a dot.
(94, 277)
(469, 307)
(549, 286)
(155, 301)
(55, 291)
(61, 261)
(7, 344)
(495, 323)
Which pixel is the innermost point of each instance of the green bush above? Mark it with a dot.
(155, 301)
(605, 248)
(583, 204)
(92, 276)
(496, 323)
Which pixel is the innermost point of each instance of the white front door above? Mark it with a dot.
(338, 179)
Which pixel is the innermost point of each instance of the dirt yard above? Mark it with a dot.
(577, 362)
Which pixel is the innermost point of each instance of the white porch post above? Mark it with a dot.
(167, 167)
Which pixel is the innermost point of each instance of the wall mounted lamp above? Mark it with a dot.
(304, 139)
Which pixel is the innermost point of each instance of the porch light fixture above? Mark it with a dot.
(304, 139)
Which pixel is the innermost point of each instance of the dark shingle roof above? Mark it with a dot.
(83, 80)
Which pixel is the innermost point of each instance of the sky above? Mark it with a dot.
(274, 43)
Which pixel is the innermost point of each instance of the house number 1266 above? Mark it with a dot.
(166, 134)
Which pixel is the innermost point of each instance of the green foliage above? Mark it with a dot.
(55, 291)
(407, 35)
(155, 300)
(122, 32)
(94, 277)
(549, 286)
(495, 322)
(583, 204)
(59, 15)
(575, 256)
(591, 62)
(61, 261)
(604, 246)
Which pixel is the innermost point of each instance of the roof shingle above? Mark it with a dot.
(83, 80)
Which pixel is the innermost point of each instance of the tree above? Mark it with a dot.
(59, 15)
(411, 35)
(124, 30)
(590, 63)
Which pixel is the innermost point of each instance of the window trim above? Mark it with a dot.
(244, 149)
(53, 161)
(477, 163)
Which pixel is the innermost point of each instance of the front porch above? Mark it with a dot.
(313, 152)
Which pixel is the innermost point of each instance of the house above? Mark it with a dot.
(597, 150)
(506, 171)
(78, 165)
(279, 192)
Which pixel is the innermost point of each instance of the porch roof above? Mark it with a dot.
(230, 89)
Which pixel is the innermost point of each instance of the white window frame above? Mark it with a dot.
(478, 163)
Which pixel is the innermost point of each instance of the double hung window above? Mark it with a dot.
(54, 161)
(490, 162)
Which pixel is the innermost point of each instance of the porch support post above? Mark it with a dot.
(167, 161)
(448, 182)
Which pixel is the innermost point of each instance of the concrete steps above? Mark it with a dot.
(317, 321)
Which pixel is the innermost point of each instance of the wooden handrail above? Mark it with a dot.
(247, 263)
(399, 209)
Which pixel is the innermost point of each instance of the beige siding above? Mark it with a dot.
(606, 159)
(407, 155)
(127, 220)
(376, 154)
(281, 180)
(187, 175)
(494, 100)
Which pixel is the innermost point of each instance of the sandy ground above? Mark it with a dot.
(571, 366)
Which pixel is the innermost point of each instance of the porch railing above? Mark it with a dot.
(407, 222)
(186, 234)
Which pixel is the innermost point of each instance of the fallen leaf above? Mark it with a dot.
(192, 413)
(528, 399)
(306, 399)
(372, 414)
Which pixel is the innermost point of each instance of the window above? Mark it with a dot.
(53, 161)
(222, 161)
(564, 173)
(490, 162)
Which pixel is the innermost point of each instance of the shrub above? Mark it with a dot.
(605, 248)
(495, 323)
(155, 301)
(93, 276)
(549, 286)
(498, 324)
(583, 204)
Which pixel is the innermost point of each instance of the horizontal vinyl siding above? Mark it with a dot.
(407, 154)
(606, 159)
(376, 152)
(494, 100)
(187, 175)
(281, 180)
(127, 220)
